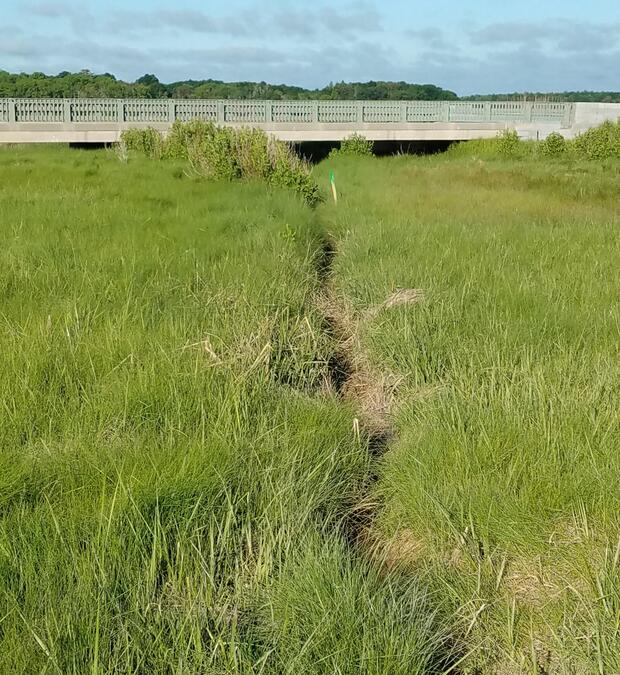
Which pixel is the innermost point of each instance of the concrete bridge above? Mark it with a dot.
(103, 120)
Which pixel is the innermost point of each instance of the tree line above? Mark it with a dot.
(86, 84)
(91, 85)
(561, 97)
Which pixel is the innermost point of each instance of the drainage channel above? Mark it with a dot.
(351, 377)
(356, 382)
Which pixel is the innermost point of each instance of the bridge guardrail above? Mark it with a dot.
(77, 110)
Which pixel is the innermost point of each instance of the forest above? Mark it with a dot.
(86, 84)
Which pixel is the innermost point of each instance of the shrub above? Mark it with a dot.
(288, 170)
(601, 142)
(554, 145)
(176, 142)
(355, 144)
(252, 150)
(508, 143)
(212, 155)
(222, 153)
(146, 141)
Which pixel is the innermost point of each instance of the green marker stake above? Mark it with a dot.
(332, 181)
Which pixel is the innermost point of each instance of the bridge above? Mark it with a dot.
(83, 120)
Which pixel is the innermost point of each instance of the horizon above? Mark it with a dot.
(472, 50)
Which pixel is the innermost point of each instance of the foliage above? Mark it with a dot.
(147, 141)
(601, 142)
(356, 144)
(224, 153)
(508, 143)
(87, 84)
(212, 155)
(554, 145)
(68, 85)
(288, 170)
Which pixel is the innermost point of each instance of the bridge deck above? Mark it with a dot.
(103, 120)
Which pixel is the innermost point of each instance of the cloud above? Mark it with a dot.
(307, 66)
(238, 55)
(584, 37)
(430, 36)
(311, 47)
(182, 20)
(53, 10)
(556, 34)
(20, 48)
(78, 17)
(509, 33)
(353, 19)
(357, 18)
(521, 69)
(10, 31)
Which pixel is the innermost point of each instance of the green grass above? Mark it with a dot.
(177, 476)
(173, 480)
(505, 469)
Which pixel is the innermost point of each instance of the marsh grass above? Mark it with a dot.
(172, 478)
(228, 154)
(176, 477)
(598, 144)
(505, 468)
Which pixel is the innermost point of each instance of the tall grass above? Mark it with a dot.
(598, 143)
(503, 477)
(228, 154)
(173, 473)
(176, 471)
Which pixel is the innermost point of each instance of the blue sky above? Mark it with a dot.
(479, 46)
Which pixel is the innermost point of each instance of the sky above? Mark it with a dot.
(476, 46)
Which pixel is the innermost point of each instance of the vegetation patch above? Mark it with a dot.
(601, 142)
(244, 435)
(228, 154)
(356, 144)
(173, 478)
(500, 473)
(554, 145)
(598, 143)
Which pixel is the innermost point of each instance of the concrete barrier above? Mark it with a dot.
(103, 120)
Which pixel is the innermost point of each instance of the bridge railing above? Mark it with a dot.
(144, 111)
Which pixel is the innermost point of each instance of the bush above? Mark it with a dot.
(602, 142)
(223, 153)
(252, 150)
(288, 170)
(211, 153)
(355, 144)
(508, 143)
(147, 141)
(554, 145)
(179, 138)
